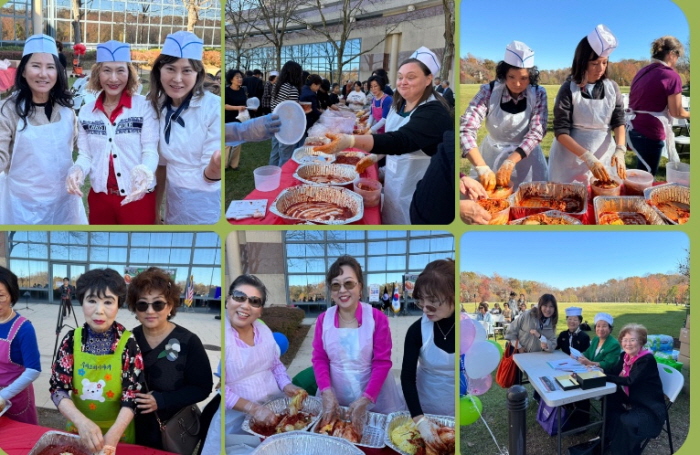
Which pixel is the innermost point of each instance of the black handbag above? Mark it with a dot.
(180, 434)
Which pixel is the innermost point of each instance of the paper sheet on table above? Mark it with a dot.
(567, 365)
(575, 352)
(239, 210)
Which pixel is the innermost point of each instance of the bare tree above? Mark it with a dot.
(77, 14)
(449, 54)
(193, 8)
(271, 19)
(237, 30)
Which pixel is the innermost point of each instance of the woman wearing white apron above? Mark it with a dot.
(414, 129)
(655, 100)
(352, 351)
(514, 107)
(254, 373)
(190, 134)
(427, 373)
(38, 130)
(587, 107)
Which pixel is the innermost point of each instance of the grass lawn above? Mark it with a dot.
(658, 319)
(239, 183)
(468, 91)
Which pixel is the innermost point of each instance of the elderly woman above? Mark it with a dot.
(484, 314)
(655, 99)
(190, 133)
(514, 110)
(604, 351)
(352, 350)
(37, 134)
(19, 354)
(637, 410)
(254, 373)
(414, 129)
(176, 367)
(98, 367)
(573, 337)
(117, 144)
(535, 329)
(427, 372)
(587, 108)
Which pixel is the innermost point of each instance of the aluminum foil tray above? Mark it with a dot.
(373, 432)
(307, 155)
(305, 193)
(625, 204)
(303, 443)
(550, 190)
(668, 192)
(306, 171)
(312, 405)
(399, 418)
(57, 438)
(551, 214)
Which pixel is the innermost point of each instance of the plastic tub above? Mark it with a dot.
(601, 191)
(370, 190)
(637, 181)
(678, 173)
(267, 178)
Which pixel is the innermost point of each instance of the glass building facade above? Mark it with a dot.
(42, 259)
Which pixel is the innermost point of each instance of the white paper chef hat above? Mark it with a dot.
(520, 55)
(603, 317)
(40, 43)
(574, 311)
(113, 51)
(602, 40)
(428, 58)
(183, 45)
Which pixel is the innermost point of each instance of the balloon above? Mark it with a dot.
(481, 359)
(480, 332)
(463, 383)
(282, 341)
(479, 386)
(470, 408)
(466, 337)
(500, 348)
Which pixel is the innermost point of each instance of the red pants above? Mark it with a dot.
(107, 209)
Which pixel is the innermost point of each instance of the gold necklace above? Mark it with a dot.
(12, 315)
(351, 321)
(444, 335)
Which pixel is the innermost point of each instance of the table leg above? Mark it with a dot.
(602, 436)
(559, 430)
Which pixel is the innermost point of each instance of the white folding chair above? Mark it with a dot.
(672, 383)
(488, 328)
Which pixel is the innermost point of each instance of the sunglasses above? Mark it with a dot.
(348, 285)
(142, 306)
(432, 308)
(240, 297)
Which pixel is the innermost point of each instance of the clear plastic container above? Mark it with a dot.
(370, 190)
(678, 172)
(637, 181)
(597, 190)
(267, 178)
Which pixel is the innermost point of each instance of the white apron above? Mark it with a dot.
(506, 132)
(591, 130)
(401, 174)
(666, 120)
(435, 376)
(187, 203)
(350, 352)
(34, 188)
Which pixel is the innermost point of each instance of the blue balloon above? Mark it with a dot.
(463, 382)
(282, 341)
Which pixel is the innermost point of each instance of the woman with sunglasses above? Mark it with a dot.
(254, 372)
(427, 372)
(176, 367)
(352, 350)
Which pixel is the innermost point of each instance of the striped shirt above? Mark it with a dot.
(286, 92)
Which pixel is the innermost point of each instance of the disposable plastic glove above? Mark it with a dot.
(358, 412)
(429, 432)
(366, 162)
(596, 167)
(330, 408)
(75, 180)
(290, 389)
(260, 413)
(486, 177)
(618, 161)
(504, 172)
(339, 142)
(141, 181)
(254, 130)
(471, 189)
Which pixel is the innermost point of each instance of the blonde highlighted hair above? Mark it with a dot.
(132, 82)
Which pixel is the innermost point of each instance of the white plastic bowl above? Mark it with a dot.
(267, 178)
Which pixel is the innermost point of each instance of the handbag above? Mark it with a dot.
(547, 418)
(507, 371)
(180, 434)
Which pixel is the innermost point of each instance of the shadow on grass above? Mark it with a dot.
(237, 184)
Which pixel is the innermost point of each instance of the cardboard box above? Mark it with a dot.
(685, 349)
(685, 336)
(685, 360)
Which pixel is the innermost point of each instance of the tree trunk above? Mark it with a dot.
(449, 53)
(75, 9)
(192, 15)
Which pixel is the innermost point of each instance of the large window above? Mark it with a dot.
(385, 256)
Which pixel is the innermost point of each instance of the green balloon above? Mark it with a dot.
(500, 348)
(470, 408)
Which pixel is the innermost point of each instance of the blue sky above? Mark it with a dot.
(553, 28)
(564, 259)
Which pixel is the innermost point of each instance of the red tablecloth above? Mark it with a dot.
(18, 438)
(372, 214)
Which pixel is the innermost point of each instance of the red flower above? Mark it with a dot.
(138, 362)
(66, 361)
(110, 394)
(93, 406)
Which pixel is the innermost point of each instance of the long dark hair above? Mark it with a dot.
(22, 97)
(502, 71)
(398, 100)
(584, 54)
(157, 89)
(290, 73)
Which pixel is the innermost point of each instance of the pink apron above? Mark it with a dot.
(377, 112)
(23, 408)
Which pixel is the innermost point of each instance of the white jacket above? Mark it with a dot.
(131, 140)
